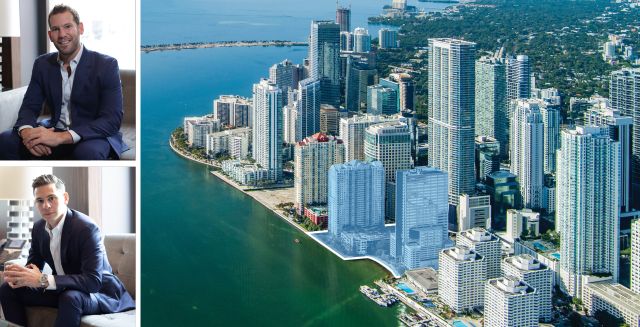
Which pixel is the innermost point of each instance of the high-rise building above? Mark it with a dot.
(346, 41)
(635, 256)
(485, 244)
(356, 196)
(307, 107)
(527, 150)
(361, 40)
(487, 156)
(312, 159)
(267, 128)
(587, 210)
(550, 112)
(235, 142)
(537, 275)
(510, 302)
(360, 74)
(474, 211)
(405, 86)
(624, 92)
(352, 132)
(197, 129)
(387, 39)
(382, 100)
(421, 217)
(330, 119)
(324, 59)
(491, 101)
(343, 18)
(389, 143)
(356, 207)
(518, 77)
(399, 4)
(462, 273)
(286, 76)
(619, 127)
(504, 190)
(232, 110)
(451, 89)
(522, 221)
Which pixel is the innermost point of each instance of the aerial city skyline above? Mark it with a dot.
(487, 191)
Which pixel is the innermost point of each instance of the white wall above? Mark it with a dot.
(118, 200)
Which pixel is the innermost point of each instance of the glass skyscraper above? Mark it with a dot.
(324, 59)
(451, 88)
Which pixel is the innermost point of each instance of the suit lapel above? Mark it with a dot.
(65, 237)
(80, 76)
(55, 89)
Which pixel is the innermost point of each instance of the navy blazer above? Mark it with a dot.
(84, 260)
(96, 97)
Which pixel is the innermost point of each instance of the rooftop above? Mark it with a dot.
(427, 278)
(616, 294)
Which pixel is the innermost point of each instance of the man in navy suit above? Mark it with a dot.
(83, 90)
(71, 244)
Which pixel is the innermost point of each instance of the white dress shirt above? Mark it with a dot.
(55, 235)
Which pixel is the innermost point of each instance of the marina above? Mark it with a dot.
(383, 300)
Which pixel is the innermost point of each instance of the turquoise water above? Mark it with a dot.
(458, 323)
(556, 255)
(540, 247)
(405, 288)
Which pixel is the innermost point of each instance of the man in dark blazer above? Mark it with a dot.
(83, 91)
(71, 244)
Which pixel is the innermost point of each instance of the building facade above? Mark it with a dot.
(485, 244)
(527, 150)
(474, 211)
(356, 202)
(510, 302)
(387, 39)
(324, 59)
(587, 210)
(619, 127)
(492, 118)
(352, 131)
(461, 276)
(382, 100)
(421, 217)
(267, 128)
(451, 109)
(537, 275)
(312, 159)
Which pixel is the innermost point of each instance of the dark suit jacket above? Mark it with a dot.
(84, 261)
(96, 97)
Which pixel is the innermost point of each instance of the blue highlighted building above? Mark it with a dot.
(421, 217)
(356, 206)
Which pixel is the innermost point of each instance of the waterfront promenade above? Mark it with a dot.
(220, 44)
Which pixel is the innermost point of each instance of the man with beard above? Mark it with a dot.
(83, 91)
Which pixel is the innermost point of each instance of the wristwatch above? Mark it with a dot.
(44, 281)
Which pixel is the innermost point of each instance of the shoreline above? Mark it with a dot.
(219, 44)
(255, 195)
